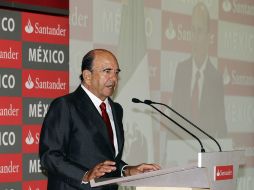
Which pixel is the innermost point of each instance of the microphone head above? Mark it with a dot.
(135, 100)
(149, 102)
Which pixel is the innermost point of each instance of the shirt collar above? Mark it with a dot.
(96, 101)
(202, 68)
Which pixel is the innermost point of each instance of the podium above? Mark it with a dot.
(213, 170)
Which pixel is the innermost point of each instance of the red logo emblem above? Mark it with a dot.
(30, 139)
(35, 185)
(224, 172)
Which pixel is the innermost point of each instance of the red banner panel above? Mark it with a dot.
(43, 83)
(30, 138)
(10, 110)
(10, 167)
(35, 185)
(10, 54)
(45, 28)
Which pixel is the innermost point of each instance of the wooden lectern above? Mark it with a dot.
(214, 170)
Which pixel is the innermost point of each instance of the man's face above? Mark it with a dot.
(103, 79)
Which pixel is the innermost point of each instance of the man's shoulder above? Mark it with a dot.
(72, 96)
(184, 65)
(115, 104)
(185, 62)
(212, 71)
(118, 105)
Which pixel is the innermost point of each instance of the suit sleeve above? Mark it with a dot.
(54, 141)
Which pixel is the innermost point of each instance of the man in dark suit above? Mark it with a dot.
(80, 140)
(211, 112)
(198, 89)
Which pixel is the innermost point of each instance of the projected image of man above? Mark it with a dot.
(198, 88)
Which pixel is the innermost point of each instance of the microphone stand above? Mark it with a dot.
(135, 100)
(149, 102)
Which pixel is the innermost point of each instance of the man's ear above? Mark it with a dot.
(87, 76)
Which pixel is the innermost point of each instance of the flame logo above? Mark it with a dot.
(170, 32)
(29, 188)
(218, 173)
(226, 6)
(29, 138)
(29, 83)
(29, 28)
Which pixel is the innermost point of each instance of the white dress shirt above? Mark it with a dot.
(201, 79)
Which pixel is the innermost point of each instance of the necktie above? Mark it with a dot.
(106, 119)
(195, 98)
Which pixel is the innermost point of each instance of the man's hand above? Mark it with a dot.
(142, 168)
(99, 170)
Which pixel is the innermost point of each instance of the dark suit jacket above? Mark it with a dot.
(212, 111)
(74, 139)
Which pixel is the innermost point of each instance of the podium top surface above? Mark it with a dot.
(119, 180)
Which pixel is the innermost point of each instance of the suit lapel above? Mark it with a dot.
(117, 127)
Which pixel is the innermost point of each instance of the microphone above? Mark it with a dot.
(135, 100)
(149, 102)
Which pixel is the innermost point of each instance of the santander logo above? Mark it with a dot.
(227, 6)
(43, 83)
(29, 83)
(170, 31)
(29, 28)
(40, 84)
(224, 172)
(29, 139)
(39, 28)
(45, 28)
